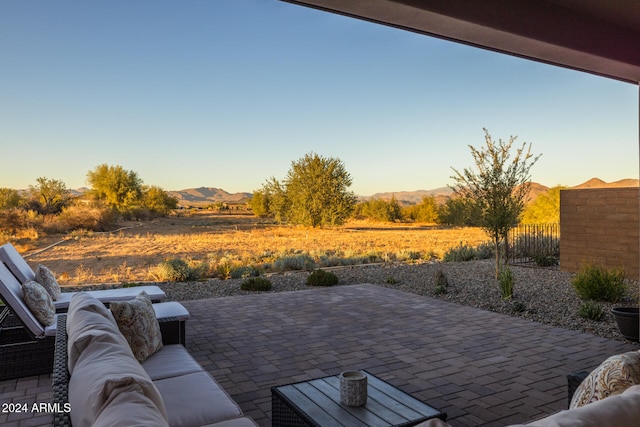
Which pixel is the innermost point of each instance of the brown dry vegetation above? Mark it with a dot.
(207, 238)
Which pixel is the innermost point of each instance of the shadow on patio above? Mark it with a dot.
(480, 367)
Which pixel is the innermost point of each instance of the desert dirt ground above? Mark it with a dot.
(132, 252)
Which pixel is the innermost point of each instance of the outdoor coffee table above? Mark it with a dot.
(317, 403)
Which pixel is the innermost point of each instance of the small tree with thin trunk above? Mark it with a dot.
(498, 187)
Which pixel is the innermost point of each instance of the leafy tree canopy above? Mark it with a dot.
(50, 195)
(115, 186)
(497, 186)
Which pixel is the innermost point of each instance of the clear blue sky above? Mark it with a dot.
(227, 93)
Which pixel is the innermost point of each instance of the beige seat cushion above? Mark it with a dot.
(172, 361)
(185, 402)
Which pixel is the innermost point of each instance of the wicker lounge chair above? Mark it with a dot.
(23, 272)
(27, 346)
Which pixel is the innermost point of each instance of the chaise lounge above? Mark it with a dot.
(23, 272)
(26, 344)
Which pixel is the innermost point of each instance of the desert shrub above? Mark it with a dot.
(80, 216)
(518, 307)
(485, 251)
(295, 262)
(442, 283)
(244, 271)
(505, 278)
(391, 280)
(322, 278)
(462, 252)
(256, 284)
(591, 310)
(172, 270)
(543, 260)
(599, 284)
(408, 255)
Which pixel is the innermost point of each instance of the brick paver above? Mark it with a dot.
(482, 368)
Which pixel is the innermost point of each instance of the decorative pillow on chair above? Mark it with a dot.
(39, 302)
(613, 376)
(45, 277)
(137, 321)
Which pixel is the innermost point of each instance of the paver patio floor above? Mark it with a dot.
(482, 368)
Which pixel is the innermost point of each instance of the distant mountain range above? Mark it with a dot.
(203, 196)
(207, 195)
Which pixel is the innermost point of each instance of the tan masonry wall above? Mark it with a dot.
(600, 225)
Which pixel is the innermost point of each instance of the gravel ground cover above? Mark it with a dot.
(540, 295)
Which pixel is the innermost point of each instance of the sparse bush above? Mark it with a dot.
(244, 271)
(322, 278)
(485, 251)
(80, 216)
(591, 310)
(256, 284)
(542, 260)
(518, 307)
(442, 283)
(599, 284)
(505, 277)
(462, 252)
(391, 280)
(172, 270)
(296, 262)
(408, 255)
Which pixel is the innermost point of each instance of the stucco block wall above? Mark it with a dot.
(600, 225)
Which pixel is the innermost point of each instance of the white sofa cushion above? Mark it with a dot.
(621, 410)
(108, 295)
(129, 407)
(236, 422)
(196, 399)
(104, 364)
(87, 318)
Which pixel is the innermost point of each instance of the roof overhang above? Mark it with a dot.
(595, 36)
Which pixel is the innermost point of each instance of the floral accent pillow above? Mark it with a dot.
(613, 376)
(45, 277)
(137, 321)
(39, 302)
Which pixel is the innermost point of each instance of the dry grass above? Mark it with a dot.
(217, 241)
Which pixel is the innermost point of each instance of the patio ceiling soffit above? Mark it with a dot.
(595, 36)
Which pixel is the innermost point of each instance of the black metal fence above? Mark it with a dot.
(535, 245)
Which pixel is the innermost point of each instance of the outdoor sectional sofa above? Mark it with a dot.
(98, 376)
(27, 345)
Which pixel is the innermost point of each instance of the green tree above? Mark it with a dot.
(545, 209)
(379, 210)
(158, 201)
(498, 187)
(459, 212)
(271, 201)
(115, 186)
(426, 211)
(316, 188)
(9, 198)
(258, 204)
(50, 195)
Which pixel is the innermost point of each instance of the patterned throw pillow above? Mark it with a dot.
(45, 277)
(613, 376)
(137, 321)
(39, 302)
